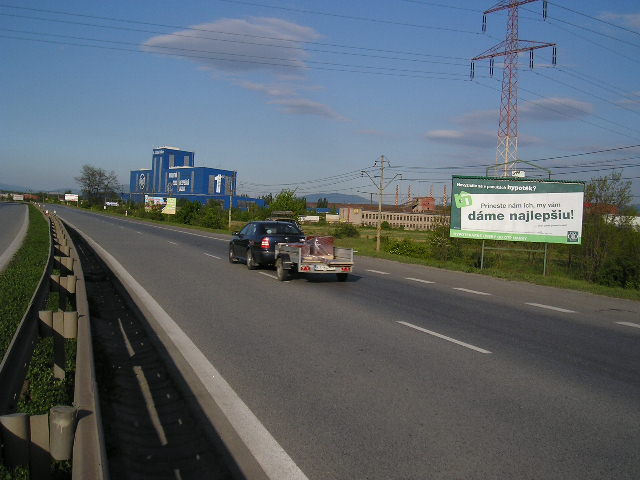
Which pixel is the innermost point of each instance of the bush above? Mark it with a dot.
(385, 225)
(407, 248)
(346, 230)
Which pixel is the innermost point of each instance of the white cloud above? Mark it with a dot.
(627, 19)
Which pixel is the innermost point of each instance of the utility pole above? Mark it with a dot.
(381, 186)
(507, 149)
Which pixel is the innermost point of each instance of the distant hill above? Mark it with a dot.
(336, 198)
(23, 189)
(12, 188)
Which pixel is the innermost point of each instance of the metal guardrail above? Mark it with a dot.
(80, 424)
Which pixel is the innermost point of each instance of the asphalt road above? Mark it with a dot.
(404, 372)
(13, 224)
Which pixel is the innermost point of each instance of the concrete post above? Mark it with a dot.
(14, 429)
(62, 424)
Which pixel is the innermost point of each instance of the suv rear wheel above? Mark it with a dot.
(232, 257)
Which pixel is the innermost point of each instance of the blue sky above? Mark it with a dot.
(303, 94)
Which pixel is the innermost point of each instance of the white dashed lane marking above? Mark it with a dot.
(213, 256)
(629, 324)
(419, 280)
(378, 272)
(471, 291)
(172, 243)
(550, 307)
(444, 337)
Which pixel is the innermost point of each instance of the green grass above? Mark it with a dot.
(21, 278)
(43, 389)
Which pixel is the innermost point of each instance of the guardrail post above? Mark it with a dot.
(70, 324)
(39, 458)
(45, 328)
(15, 436)
(62, 423)
(58, 345)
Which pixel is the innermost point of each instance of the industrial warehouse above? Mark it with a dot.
(173, 174)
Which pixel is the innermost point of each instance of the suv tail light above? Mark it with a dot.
(265, 242)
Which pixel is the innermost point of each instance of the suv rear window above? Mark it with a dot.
(278, 228)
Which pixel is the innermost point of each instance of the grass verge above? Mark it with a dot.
(21, 278)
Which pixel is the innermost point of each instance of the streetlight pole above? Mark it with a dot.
(231, 191)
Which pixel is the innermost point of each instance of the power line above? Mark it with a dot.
(293, 43)
(348, 69)
(594, 18)
(560, 112)
(261, 57)
(351, 17)
(591, 30)
(588, 93)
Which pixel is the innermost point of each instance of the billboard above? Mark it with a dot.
(170, 207)
(70, 197)
(517, 210)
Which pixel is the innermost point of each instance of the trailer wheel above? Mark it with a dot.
(281, 272)
(342, 277)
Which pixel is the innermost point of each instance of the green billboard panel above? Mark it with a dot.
(517, 210)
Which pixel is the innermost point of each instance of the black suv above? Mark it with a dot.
(255, 244)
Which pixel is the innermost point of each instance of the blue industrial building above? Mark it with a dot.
(173, 174)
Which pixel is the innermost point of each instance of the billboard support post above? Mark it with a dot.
(544, 262)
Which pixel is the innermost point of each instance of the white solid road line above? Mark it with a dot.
(629, 324)
(209, 255)
(268, 275)
(550, 307)
(378, 271)
(273, 459)
(419, 280)
(471, 291)
(444, 337)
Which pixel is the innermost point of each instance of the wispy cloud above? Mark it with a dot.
(241, 50)
(631, 100)
(627, 19)
(239, 45)
(556, 109)
(466, 138)
(304, 106)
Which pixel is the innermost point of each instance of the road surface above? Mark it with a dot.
(404, 371)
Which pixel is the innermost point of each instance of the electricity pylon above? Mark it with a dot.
(507, 151)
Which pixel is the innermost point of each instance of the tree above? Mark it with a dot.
(286, 200)
(609, 252)
(97, 184)
(322, 203)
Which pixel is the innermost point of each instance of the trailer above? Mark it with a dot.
(314, 255)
